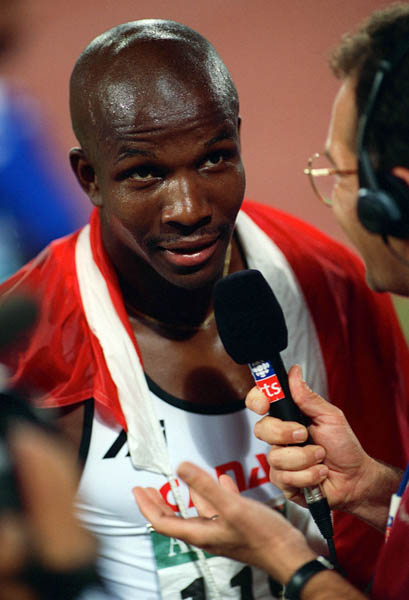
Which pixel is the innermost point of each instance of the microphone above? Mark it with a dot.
(252, 327)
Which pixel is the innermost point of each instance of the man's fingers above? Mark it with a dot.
(155, 496)
(164, 520)
(151, 504)
(201, 482)
(203, 507)
(228, 483)
(202, 487)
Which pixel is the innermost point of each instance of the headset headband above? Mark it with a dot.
(367, 177)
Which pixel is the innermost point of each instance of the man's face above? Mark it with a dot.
(381, 268)
(169, 182)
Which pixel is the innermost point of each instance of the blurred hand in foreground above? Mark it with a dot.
(45, 531)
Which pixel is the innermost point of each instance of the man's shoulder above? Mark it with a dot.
(275, 222)
(304, 246)
(43, 358)
(55, 262)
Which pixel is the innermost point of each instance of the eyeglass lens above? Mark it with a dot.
(324, 183)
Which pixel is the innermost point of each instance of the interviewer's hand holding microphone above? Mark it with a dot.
(350, 479)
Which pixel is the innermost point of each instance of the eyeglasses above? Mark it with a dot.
(323, 176)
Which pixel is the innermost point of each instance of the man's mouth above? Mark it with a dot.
(190, 253)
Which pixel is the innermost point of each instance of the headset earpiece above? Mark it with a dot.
(385, 211)
(383, 199)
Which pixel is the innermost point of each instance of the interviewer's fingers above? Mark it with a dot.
(257, 402)
(290, 482)
(270, 429)
(276, 431)
(310, 403)
(294, 467)
(295, 458)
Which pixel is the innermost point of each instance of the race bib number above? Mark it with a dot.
(180, 575)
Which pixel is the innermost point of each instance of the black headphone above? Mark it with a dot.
(383, 199)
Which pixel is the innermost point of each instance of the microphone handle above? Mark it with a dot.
(285, 408)
(271, 379)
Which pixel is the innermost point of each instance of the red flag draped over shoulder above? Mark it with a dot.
(60, 361)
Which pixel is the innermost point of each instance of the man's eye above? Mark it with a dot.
(214, 159)
(143, 173)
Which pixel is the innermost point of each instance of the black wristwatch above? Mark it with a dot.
(304, 574)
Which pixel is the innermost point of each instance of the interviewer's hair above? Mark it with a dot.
(358, 56)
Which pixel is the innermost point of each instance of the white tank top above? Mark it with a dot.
(138, 565)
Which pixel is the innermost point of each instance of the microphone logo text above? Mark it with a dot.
(267, 380)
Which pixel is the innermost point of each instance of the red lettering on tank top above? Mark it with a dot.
(254, 479)
(238, 472)
(235, 470)
(166, 493)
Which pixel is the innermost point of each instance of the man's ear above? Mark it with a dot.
(402, 173)
(85, 174)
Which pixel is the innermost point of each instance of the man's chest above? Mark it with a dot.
(195, 369)
(220, 443)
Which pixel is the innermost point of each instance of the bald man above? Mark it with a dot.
(126, 344)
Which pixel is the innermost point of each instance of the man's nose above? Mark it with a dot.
(186, 201)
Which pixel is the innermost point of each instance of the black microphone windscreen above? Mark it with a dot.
(249, 318)
(17, 314)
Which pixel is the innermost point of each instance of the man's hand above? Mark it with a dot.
(336, 460)
(242, 529)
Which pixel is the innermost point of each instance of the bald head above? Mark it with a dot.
(150, 67)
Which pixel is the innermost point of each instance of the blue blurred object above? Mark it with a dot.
(37, 201)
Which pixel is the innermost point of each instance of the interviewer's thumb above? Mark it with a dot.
(310, 403)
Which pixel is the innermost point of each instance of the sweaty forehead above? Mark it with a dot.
(161, 99)
(152, 83)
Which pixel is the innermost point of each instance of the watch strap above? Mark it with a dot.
(304, 574)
